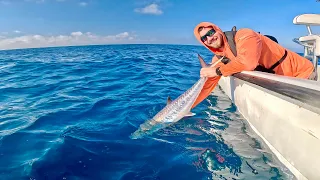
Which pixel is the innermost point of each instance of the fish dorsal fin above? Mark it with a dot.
(202, 62)
(169, 100)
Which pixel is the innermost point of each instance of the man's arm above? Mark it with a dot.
(210, 84)
(249, 47)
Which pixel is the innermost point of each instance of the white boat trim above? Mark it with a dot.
(290, 127)
(298, 91)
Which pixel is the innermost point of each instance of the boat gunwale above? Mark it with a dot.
(305, 97)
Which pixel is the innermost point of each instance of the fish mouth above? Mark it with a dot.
(134, 136)
(147, 129)
(138, 134)
(142, 131)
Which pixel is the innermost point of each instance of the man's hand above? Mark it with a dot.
(208, 72)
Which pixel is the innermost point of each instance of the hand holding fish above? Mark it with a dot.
(208, 72)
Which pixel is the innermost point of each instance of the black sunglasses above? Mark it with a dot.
(209, 33)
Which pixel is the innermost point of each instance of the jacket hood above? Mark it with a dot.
(217, 29)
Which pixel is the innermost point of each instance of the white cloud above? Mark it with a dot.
(150, 9)
(75, 38)
(122, 35)
(76, 33)
(83, 4)
(17, 31)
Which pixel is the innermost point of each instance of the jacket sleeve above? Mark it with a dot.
(249, 47)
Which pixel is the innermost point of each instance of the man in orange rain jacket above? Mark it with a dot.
(246, 50)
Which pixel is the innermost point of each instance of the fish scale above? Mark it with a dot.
(179, 105)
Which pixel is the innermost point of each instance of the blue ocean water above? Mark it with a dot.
(67, 113)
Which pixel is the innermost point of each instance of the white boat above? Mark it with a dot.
(284, 111)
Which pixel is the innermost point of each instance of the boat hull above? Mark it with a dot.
(285, 113)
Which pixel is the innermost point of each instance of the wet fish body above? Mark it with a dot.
(174, 110)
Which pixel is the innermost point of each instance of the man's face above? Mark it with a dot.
(211, 38)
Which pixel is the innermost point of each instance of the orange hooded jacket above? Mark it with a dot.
(253, 49)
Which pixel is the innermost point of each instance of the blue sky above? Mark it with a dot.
(37, 23)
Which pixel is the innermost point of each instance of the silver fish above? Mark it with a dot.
(174, 110)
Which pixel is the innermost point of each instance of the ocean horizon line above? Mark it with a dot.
(116, 44)
(84, 45)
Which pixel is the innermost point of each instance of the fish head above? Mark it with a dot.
(148, 128)
(143, 130)
(138, 134)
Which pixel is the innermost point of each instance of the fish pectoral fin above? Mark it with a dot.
(189, 114)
